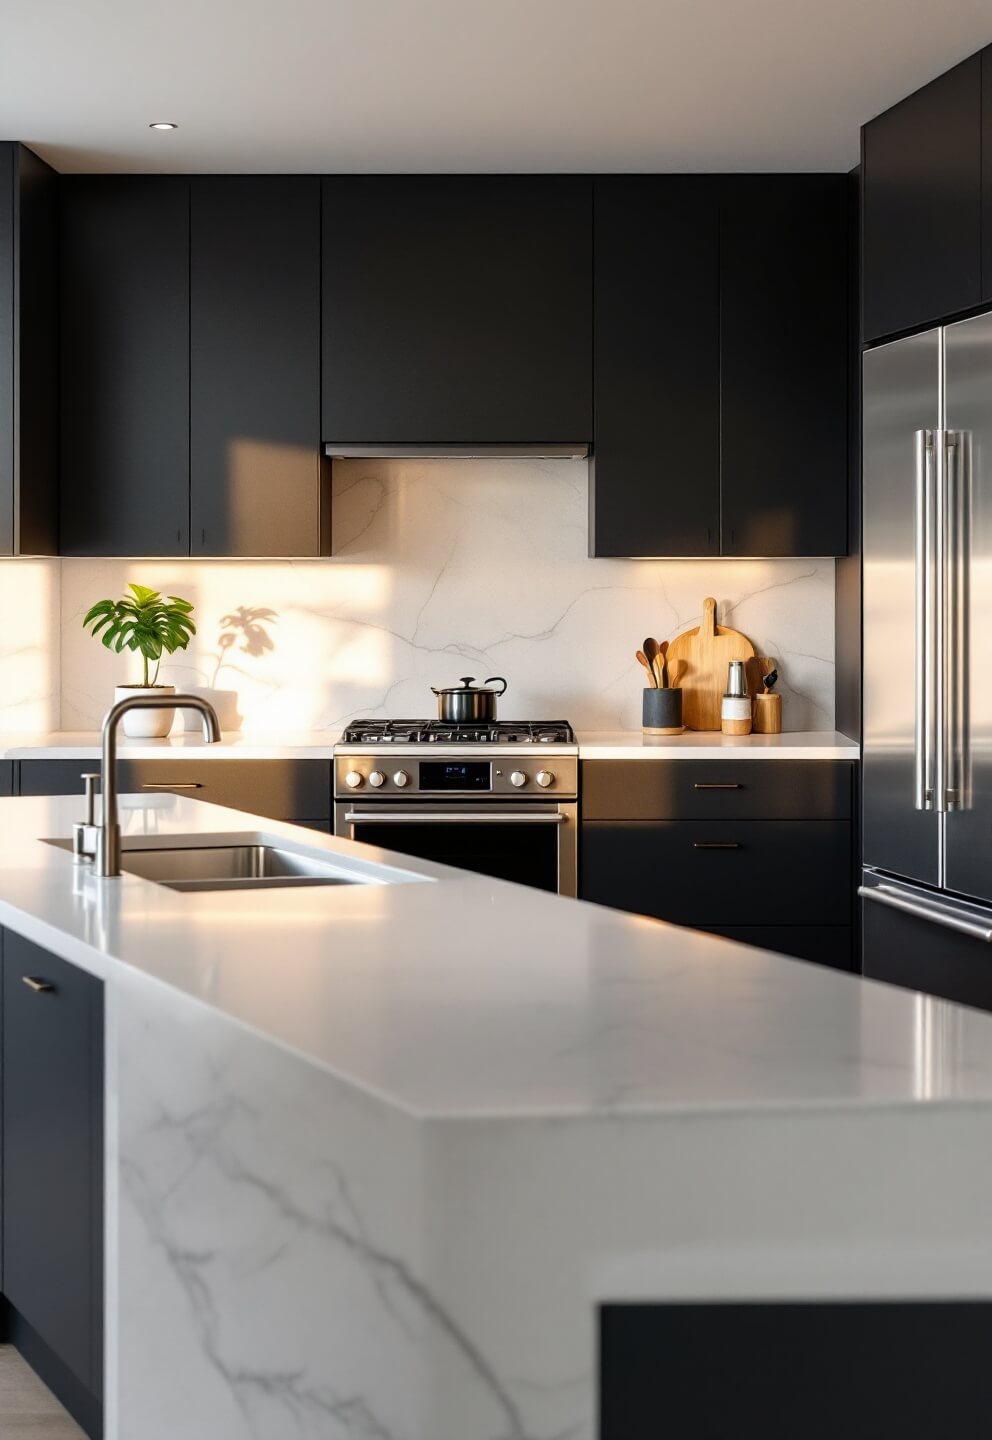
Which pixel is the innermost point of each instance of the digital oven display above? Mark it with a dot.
(453, 775)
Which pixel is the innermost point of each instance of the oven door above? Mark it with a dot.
(532, 844)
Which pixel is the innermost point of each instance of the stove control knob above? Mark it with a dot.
(401, 779)
(376, 779)
(353, 779)
(518, 778)
(545, 778)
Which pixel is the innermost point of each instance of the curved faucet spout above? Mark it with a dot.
(108, 832)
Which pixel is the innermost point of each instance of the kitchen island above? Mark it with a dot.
(376, 1152)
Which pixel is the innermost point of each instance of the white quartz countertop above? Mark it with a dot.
(709, 745)
(467, 996)
(319, 745)
(85, 745)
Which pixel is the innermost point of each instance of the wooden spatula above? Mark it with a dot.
(640, 655)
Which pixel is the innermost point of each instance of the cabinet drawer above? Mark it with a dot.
(6, 777)
(717, 790)
(278, 789)
(710, 873)
(825, 944)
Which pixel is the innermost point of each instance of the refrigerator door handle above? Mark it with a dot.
(937, 914)
(941, 593)
(926, 610)
(955, 741)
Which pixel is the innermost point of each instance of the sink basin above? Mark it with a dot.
(236, 867)
(233, 867)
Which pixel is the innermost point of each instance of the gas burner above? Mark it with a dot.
(438, 732)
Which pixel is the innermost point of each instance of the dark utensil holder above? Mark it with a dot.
(661, 713)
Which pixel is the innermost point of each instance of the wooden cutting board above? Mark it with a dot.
(704, 654)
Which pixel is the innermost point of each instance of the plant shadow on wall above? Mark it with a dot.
(244, 631)
(249, 625)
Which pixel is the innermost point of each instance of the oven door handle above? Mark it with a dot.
(441, 817)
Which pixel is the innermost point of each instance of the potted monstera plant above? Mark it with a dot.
(151, 625)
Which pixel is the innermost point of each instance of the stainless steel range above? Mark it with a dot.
(501, 798)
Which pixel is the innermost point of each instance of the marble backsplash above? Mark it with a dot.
(441, 569)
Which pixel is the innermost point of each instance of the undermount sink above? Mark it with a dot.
(233, 867)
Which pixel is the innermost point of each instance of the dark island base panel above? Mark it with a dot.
(817, 1370)
(67, 1388)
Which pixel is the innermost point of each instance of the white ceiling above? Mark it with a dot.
(422, 85)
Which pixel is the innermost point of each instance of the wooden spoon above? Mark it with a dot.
(662, 664)
(652, 650)
(640, 655)
(675, 672)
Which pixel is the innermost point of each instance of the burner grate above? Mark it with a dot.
(439, 732)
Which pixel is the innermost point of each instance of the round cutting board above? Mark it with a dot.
(704, 654)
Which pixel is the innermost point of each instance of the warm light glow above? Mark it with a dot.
(29, 651)
(163, 125)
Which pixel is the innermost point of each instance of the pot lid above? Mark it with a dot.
(469, 687)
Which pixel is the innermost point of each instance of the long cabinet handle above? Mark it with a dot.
(172, 785)
(937, 914)
(716, 845)
(717, 785)
(364, 817)
(925, 607)
(38, 986)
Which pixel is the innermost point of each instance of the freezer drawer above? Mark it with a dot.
(911, 939)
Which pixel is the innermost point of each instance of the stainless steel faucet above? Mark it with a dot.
(101, 842)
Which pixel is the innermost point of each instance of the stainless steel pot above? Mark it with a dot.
(468, 703)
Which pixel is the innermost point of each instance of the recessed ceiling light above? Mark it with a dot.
(163, 125)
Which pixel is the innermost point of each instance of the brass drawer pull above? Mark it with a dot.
(717, 785)
(172, 785)
(715, 845)
(38, 986)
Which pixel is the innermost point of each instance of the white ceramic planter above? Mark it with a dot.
(225, 702)
(146, 724)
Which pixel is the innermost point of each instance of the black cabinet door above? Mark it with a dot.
(656, 467)
(6, 349)
(457, 309)
(257, 482)
(28, 354)
(297, 790)
(784, 365)
(987, 173)
(921, 218)
(52, 1139)
(124, 461)
(716, 873)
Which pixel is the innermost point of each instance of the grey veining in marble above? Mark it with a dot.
(445, 568)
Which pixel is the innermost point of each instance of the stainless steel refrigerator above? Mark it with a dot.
(927, 775)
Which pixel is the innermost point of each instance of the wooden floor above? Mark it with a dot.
(29, 1411)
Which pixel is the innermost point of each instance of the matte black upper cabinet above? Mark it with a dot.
(655, 478)
(721, 366)
(457, 309)
(28, 354)
(784, 365)
(124, 464)
(922, 205)
(258, 484)
(190, 375)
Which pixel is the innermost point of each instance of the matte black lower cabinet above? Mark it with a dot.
(53, 1173)
(814, 1370)
(758, 851)
(294, 790)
